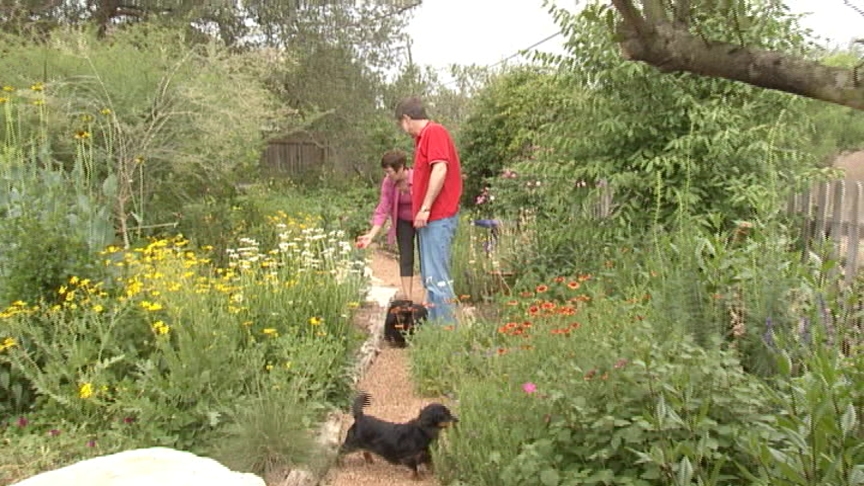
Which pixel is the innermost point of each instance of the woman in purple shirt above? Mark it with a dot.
(395, 204)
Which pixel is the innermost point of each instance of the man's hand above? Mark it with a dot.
(422, 219)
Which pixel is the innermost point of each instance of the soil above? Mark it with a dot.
(388, 381)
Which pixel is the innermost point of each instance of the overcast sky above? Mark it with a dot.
(442, 30)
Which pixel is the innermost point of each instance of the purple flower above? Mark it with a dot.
(22, 422)
(53, 432)
(91, 443)
(529, 387)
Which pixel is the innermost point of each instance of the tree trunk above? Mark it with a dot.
(672, 48)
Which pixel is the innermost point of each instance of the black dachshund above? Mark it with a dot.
(406, 444)
(402, 317)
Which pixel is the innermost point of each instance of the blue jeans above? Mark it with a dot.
(436, 239)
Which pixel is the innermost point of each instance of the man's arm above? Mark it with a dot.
(436, 182)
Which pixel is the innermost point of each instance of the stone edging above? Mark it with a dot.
(329, 435)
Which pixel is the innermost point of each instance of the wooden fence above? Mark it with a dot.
(294, 156)
(833, 211)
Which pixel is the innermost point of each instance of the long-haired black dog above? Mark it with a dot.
(402, 317)
(406, 444)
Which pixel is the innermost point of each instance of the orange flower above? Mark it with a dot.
(533, 310)
(559, 279)
(575, 325)
(574, 285)
(512, 302)
(527, 294)
(548, 305)
(566, 311)
(584, 278)
(541, 288)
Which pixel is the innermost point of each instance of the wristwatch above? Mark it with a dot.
(424, 210)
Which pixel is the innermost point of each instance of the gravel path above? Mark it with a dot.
(393, 398)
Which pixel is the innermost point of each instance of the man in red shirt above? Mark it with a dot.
(436, 191)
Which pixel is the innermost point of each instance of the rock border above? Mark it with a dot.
(330, 432)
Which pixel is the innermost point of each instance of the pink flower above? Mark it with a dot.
(529, 387)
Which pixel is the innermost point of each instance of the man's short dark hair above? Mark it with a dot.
(411, 107)
(393, 159)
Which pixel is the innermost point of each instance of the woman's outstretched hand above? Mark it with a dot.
(363, 240)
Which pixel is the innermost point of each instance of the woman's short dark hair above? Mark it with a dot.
(411, 107)
(393, 159)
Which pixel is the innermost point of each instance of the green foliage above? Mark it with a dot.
(175, 352)
(505, 123)
(816, 438)
(597, 396)
(711, 147)
(150, 114)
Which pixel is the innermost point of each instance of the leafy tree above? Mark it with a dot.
(505, 123)
(665, 143)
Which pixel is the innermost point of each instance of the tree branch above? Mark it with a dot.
(632, 17)
(655, 11)
(674, 49)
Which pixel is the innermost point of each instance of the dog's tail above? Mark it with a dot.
(362, 401)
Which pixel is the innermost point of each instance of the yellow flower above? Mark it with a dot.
(73, 280)
(85, 391)
(151, 306)
(160, 328)
(105, 111)
(37, 87)
(353, 305)
(8, 89)
(19, 303)
(315, 321)
(38, 102)
(271, 332)
(3, 99)
(98, 308)
(82, 134)
(8, 343)
(269, 367)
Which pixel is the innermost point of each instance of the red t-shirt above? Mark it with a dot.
(434, 144)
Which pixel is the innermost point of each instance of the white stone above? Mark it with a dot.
(145, 467)
(381, 295)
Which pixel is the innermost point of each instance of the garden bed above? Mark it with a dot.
(237, 363)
